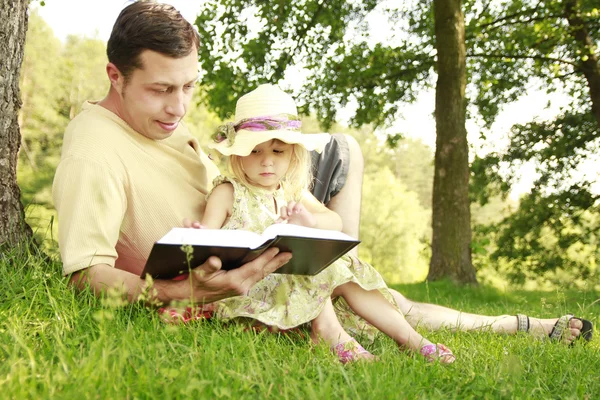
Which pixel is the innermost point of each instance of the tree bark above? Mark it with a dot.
(451, 216)
(13, 27)
(589, 59)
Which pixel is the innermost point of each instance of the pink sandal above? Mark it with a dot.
(440, 352)
(350, 351)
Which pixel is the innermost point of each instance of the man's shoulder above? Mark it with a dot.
(92, 119)
(94, 131)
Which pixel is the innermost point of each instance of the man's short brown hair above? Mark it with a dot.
(147, 25)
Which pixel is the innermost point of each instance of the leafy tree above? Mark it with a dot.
(83, 73)
(245, 43)
(40, 117)
(414, 168)
(393, 228)
(55, 80)
(514, 45)
(13, 25)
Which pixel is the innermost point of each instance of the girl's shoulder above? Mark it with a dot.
(222, 180)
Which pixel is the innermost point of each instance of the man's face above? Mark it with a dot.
(156, 97)
(268, 163)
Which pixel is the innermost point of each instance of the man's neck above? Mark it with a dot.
(111, 103)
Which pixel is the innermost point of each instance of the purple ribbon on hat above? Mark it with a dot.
(258, 124)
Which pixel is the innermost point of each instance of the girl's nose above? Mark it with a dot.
(267, 161)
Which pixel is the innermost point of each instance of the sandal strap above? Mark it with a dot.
(522, 323)
(560, 326)
(432, 352)
(349, 351)
(428, 350)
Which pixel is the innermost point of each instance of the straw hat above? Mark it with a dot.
(265, 113)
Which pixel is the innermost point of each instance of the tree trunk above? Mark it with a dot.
(451, 219)
(589, 59)
(13, 26)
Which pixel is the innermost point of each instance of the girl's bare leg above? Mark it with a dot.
(327, 327)
(374, 308)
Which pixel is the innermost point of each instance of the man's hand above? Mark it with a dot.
(209, 282)
(206, 283)
(295, 213)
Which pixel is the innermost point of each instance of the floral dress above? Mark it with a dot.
(287, 301)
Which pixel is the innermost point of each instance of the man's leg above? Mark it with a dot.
(434, 317)
(347, 201)
(338, 173)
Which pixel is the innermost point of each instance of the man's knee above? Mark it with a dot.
(404, 304)
(356, 157)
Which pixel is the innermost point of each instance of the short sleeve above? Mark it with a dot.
(330, 168)
(91, 200)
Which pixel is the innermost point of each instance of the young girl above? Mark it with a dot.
(269, 166)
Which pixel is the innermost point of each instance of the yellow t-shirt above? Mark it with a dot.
(117, 192)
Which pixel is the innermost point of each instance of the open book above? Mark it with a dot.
(312, 249)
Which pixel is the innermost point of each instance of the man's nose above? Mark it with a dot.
(176, 104)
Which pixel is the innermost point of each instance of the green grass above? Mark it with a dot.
(57, 343)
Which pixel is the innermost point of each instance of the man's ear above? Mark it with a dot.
(115, 77)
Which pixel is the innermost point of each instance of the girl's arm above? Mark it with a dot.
(218, 207)
(312, 213)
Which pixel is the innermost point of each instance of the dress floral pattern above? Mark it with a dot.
(287, 301)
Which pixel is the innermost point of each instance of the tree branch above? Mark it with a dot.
(524, 57)
(286, 57)
(511, 16)
(589, 65)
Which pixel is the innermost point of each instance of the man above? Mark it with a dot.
(130, 171)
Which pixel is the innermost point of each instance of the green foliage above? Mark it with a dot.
(514, 44)
(547, 239)
(40, 115)
(393, 228)
(237, 55)
(83, 73)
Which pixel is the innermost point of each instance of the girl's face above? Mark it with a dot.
(268, 163)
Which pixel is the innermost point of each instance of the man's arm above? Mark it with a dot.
(206, 283)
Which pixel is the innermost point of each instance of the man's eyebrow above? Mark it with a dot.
(168, 84)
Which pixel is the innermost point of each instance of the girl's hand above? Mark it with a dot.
(297, 214)
(188, 223)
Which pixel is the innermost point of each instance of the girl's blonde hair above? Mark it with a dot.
(296, 180)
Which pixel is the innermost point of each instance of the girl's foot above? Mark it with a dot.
(433, 352)
(350, 351)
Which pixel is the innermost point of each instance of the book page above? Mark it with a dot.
(302, 231)
(212, 237)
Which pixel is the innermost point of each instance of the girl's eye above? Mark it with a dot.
(277, 151)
